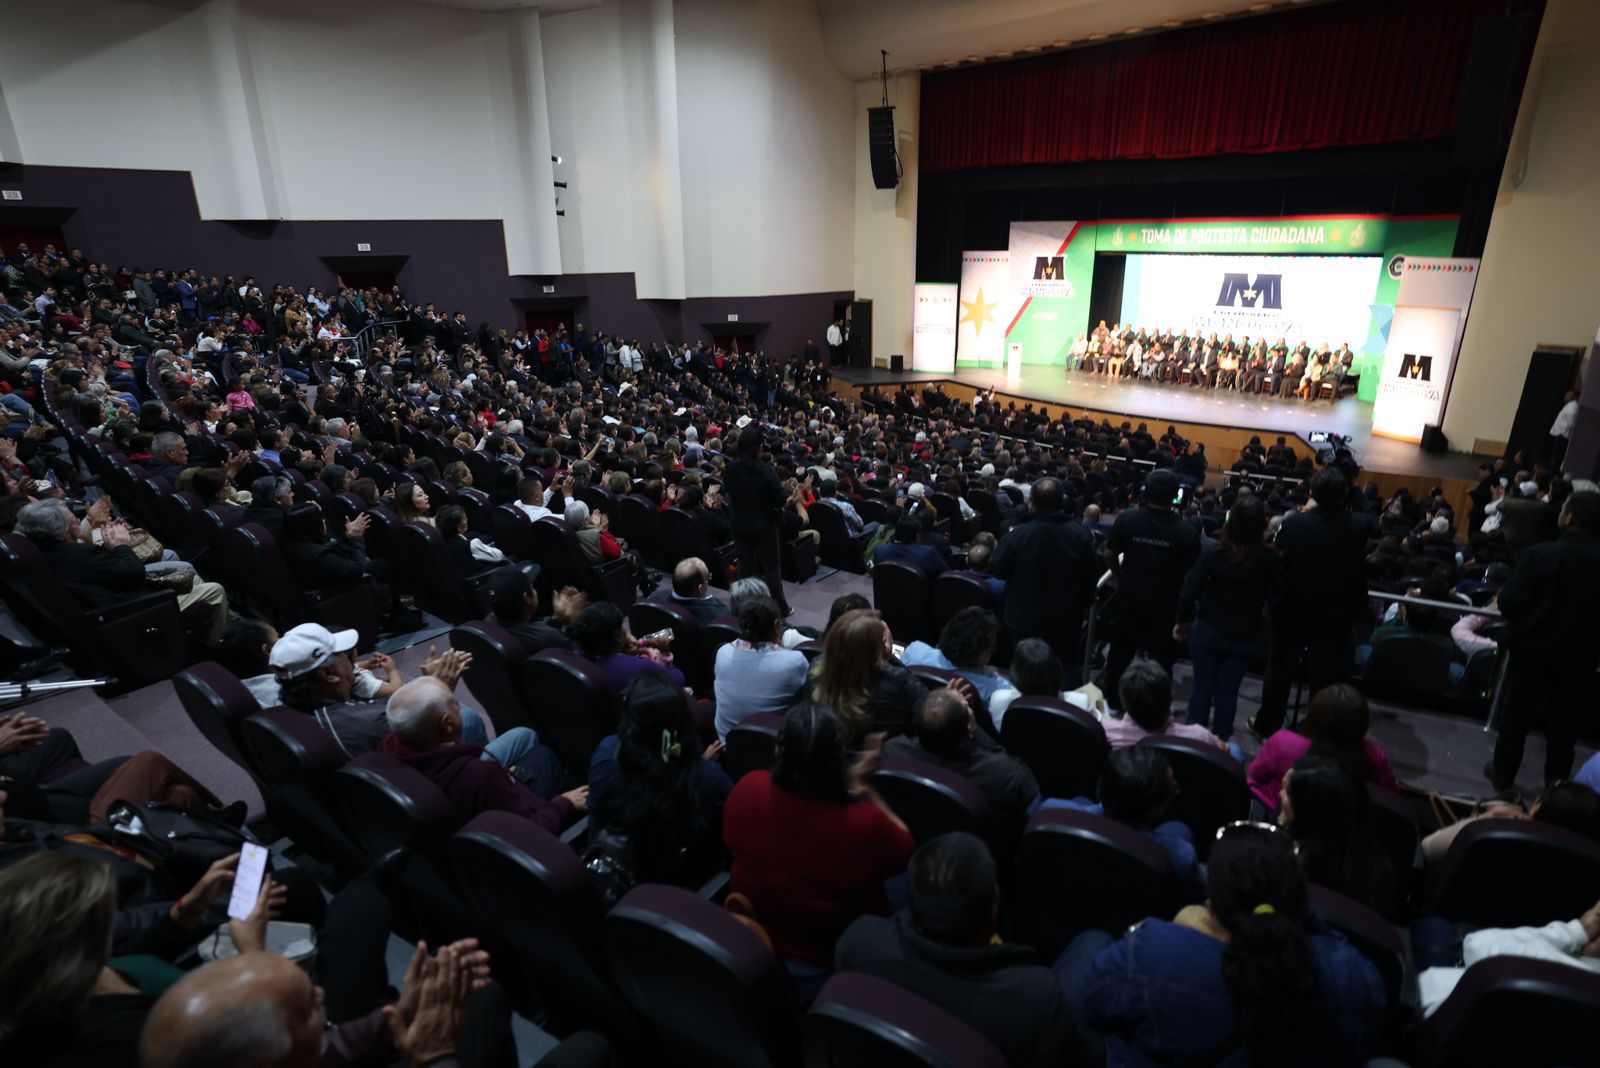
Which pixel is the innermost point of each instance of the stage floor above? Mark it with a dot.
(1182, 404)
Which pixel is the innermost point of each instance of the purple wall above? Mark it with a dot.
(151, 219)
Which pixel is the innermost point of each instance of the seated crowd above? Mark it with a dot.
(1246, 365)
(767, 768)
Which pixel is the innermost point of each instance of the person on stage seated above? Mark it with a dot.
(1339, 367)
(1316, 370)
(1134, 354)
(1186, 359)
(1205, 369)
(1113, 363)
(1276, 366)
(1293, 375)
(1093, 360)
(1079, 350)
(1254, 372)
(1155, 363)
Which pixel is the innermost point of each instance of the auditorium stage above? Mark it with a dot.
(1220, 410)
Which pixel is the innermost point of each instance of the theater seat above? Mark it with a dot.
(1514, 1011)
(1513, 873)
(928, 798)
(953, 591)
(685, 537)
(1056, 897)
(715, 994)
(294, 761)
(531, 888)
(272, 588)
(572, 704)
(688, 647)
(900, 594)
(752, 744)
(1212, 791)
(441, 587)
(1064, 746)
(495, 675)
(861, 1021)
(1375, 937)
(217, 703)
(838, 550)
(384, 805)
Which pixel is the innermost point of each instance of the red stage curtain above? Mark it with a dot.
(1359, 72)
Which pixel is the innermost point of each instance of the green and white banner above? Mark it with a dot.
(1333, 235)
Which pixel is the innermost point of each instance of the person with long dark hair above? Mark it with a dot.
(812, 841)
(1220, 613)
(653, 783)
(755, 512)
(1251, 977)
(1336, 728)
(1327, 812)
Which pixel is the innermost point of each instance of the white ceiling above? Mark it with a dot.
(918, 33)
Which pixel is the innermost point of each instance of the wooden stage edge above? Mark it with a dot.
(1222, 441)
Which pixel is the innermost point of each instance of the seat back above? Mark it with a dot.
(713, 991)
(1055, 898)
(929, 799)
(494, 676)
(953, 591)
(479, 507)
(294, 760)
(259, 566)
(900, 593)
(752, 744)
(1409, 668)
(181, 511)
(572, 705)
(838, 549)
(217, 704)
(1064, 746)
(861, 1021)
(1372, 935)
(1397, 832)
(1514, 873)
(717, 633)
(648, 616)
(636, 521)
(384, 805)
(1211, 787)
(441, 587)
(533, 891)
(1514, 1010)
(988, 508)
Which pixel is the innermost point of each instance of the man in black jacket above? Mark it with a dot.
(942, 948)
(755, 509)
(1549, 603)
(1320, 588)
(1049, 566)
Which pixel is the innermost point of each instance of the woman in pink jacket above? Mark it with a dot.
(1335, 727)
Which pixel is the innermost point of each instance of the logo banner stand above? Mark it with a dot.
(933, 326)
(1430, 314)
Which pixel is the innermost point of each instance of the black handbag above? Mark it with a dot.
(181, 844)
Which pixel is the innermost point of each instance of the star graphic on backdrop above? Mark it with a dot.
(976, 312)
(1336, 234)
(1133, 235)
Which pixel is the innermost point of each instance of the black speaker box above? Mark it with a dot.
(880, 143)
(1490, 95)
(897, 362)
(1433, 439)
(861, 333)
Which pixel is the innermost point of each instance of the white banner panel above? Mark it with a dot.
(987, 307)
(1430, 312)
(1299, 298)
(1039, 259)
(933, 326)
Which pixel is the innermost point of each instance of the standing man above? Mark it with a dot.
(755, 506)
(1048, 564)
(1151, 549)
(1549, 603)
(836, 339)
(1320, 588)
(1561, 429)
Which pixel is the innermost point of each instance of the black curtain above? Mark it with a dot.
(1105, 295)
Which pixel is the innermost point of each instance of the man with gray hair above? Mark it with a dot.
(513, 773)
(101, 575)
(691, 591)
(171, 454)
(270, 497)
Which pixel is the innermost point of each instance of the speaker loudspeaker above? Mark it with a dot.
(880, 144)
(897, 362)
(1433, 439)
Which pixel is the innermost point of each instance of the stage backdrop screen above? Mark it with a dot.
(1299, 298)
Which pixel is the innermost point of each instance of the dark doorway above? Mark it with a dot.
(548, 319)
(365, 272)
(739, 344)
(1105, 292)
(379, 280)
(35, 237)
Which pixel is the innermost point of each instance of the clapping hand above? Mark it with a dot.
(447, 667)
(19, 733)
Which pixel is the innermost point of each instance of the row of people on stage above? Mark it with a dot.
(1249, 365)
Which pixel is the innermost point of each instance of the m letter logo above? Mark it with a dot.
(1239, 289)
(1047, 268)
(1419, 368)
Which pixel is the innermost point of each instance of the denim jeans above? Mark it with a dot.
(1219, 667)
(519, 752)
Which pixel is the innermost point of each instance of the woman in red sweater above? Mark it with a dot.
(812, 842)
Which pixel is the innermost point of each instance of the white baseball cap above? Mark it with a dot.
(307, 647)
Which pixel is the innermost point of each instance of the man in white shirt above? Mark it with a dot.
(836, 338)
(1561, 429)
(530, 498)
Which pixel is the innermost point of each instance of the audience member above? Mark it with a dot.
(1326, 811)
(1049, 567)
(754, 673)
(1335, 727)
(1146, 692)
(966, 646)
(1150, 550)
(858, 677)
(691, 590)
(602, 635)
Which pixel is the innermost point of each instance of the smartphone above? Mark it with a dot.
(247, 880)
(899, 650)
(664, 634)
